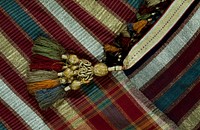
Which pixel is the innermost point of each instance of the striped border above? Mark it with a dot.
(154, 67)
(160, 29)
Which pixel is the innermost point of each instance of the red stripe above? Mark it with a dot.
(185, 104)
(131, 109)
(123, 101)
(100, 123)
(120, 9)
(87, 110)
(100, 31)
(14, 121)
(13, 31)
(168, 75)
(19, 86)
(53, 28)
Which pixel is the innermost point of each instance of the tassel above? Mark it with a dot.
(41, 75)
(47, 97)
(143, 17)
(33, 87)
(39, 62)
(111, 48)
(153, 2)
(138, 26)
(48, 48)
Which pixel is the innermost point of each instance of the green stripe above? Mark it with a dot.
(21, 18)
(130, 127)
(135, 3)
(95, 94)
(2, 127)
(168, 98)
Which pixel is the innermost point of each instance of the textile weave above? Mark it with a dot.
(112, 102)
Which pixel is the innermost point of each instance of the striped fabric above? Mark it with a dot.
(170, 76)
(112, 102)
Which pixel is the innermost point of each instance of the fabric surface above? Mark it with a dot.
(122, 100)
(170, 76)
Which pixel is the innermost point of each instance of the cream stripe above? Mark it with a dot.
(25, 112)
(168, 53)
(192, 120)
(166, 22)
(70, 115)
(74, 28)
(123, 79)
(14, 57)
(101, 14)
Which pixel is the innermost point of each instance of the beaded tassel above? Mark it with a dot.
(53, 72)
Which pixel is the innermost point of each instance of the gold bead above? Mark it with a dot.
(75, 85)
(100, 69)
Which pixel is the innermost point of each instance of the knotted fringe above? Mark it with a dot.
(40, 75)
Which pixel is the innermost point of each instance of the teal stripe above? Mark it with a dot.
(2, 127)
(135, 3)
(21, 18)
(130, 127)
(95, 94)
(179, 87)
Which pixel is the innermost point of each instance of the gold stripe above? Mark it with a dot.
(192, 120)
(101, 14)
(175, 11)
(21, 65)
(12, 55)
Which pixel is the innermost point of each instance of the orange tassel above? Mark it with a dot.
(138, 26)
(33, 87)
(111, 48)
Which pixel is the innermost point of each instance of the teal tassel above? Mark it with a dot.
(40, 75)
(49, 48)
(47, 97)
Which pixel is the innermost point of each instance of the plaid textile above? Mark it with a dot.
(107, 103)
(170, 77)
